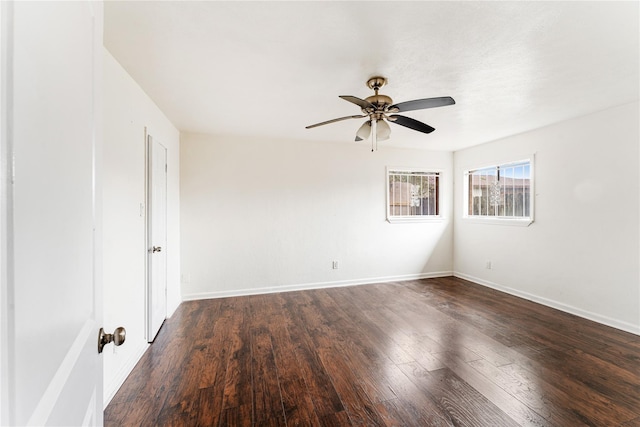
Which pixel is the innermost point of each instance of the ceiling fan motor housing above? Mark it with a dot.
(380, 101)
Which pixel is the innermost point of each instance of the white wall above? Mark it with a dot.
(127, 111)
(263, 215)
(582, 252)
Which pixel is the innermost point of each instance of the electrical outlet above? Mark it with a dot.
(488, 265)
(334, 265)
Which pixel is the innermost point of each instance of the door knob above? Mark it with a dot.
(117, 337)
(156, 249)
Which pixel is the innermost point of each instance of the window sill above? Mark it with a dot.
(525, 222)
(407, 220)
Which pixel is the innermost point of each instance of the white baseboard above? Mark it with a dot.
(599, 318)
(119, 377)
(171, 308)
(308, 286)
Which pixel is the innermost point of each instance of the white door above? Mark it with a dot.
(51, 295)
(157, 237)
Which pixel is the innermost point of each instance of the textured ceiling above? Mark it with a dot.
(270, 68)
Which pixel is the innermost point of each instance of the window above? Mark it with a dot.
(412, 195)
(501, 192)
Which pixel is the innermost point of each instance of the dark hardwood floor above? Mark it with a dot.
(433, 352)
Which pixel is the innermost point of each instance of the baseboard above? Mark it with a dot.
(121, 375)
(605, 320)
(171, 308)
(308, 286)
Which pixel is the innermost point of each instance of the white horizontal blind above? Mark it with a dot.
(413, 194)
(501, 191)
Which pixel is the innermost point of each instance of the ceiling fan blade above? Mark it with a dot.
(421, 104)
(335, 120)
(359, 102)
(411, 123)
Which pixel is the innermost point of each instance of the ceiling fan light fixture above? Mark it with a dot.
(364, 131)
(383, 131)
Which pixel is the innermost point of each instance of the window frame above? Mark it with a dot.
(414, 218)
(500, 220)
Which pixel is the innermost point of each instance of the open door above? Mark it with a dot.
(156, 237)
(51, 293)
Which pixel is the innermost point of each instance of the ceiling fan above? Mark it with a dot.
(380, 109)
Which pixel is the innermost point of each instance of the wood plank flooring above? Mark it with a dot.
(433, 352)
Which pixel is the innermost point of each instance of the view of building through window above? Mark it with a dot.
(500, 191)
(413, 194)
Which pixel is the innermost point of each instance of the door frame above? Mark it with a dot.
(6, 209)
(148, 140)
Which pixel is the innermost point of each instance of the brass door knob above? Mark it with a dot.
(117, 337)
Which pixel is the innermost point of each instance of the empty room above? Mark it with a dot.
(339, 213)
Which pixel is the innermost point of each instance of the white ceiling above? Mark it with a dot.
(270, 68)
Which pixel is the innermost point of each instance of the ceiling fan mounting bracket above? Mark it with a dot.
(376, 83)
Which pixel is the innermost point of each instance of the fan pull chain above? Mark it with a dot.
(374, 130)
